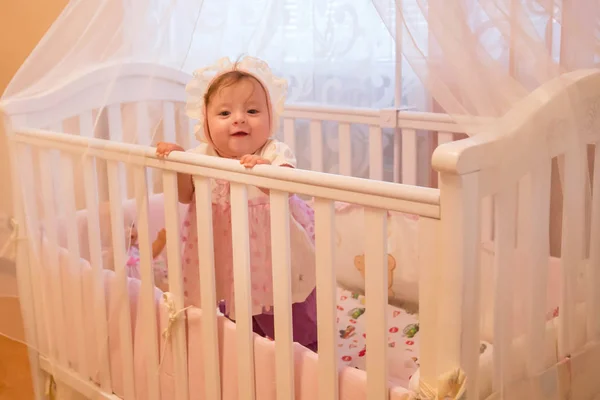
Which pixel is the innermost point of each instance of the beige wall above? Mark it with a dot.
(22, 25)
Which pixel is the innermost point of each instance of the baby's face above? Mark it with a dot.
(238, 118)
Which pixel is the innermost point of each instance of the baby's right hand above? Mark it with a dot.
(163, 149)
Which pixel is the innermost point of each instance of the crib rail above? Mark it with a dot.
(378, 198)
(397, 197)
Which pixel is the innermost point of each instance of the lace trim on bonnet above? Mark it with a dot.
(202, 79)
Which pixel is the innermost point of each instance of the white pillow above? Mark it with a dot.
(403, 271)
(486, 369)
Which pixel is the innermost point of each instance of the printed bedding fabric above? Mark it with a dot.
(403, 336)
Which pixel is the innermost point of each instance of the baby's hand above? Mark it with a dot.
(250, 160)
(162, 236)
(163, 149)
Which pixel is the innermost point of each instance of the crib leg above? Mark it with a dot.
(37, 374)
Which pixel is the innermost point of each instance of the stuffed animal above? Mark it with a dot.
(159, 264)
(359, 263)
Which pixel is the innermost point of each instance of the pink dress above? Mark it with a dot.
(302, 255)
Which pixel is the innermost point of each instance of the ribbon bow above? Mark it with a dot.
(451, 386)
(8, 250)
(173, 319)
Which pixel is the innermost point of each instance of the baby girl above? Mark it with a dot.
(238, 106)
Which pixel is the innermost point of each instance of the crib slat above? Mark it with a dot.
(86, 129)
(178, 332)
(26, 155)
(148, 310)
(100, 318)
(143, 134)
(121, 285)
(487, 219)
(376, 288)
(523, 198)
(34, 167)
(316, 145)
(459, 245)
(115, 133)
(593, 272)
(243, 295)
(56, 127)
(282, 293)
(345, 150)
(191, 137)
(326, 299)
(375, 153)
(86, 124)
(409, 156)
(182, 132)
(210, 333)
(503, 296)
(144, 137)
(289, 133)
(169, 122)
(571, 247)
(430, 265)
(52, 270)
(68, 202)
(115, 123)
(397, 155)
(536, 239)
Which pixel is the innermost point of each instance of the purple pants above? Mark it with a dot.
(304, 322)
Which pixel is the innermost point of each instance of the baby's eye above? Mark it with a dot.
(224, 113)
(253, 111)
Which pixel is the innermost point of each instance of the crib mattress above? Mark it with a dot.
(403, 337)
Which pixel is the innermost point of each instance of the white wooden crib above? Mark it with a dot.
(466, 256)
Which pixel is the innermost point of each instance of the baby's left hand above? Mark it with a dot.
(250, 160)
(162, 236)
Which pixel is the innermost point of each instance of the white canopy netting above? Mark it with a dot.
(465, 58)
(471, 57)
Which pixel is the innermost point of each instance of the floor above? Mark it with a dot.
(15, 377)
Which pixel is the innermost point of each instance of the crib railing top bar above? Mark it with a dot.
(540, 126)
(180, 161)
(406, 117)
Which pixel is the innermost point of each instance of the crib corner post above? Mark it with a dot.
(15, 209)
(458, 296)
